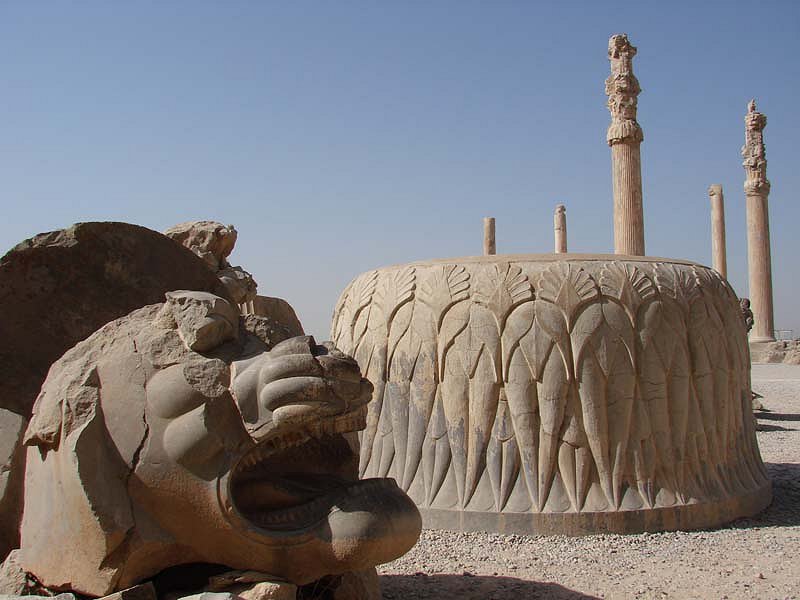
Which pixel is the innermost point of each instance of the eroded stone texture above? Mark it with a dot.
(747, 313)
(585, 393)
(279, 311)
(756, 189)
(12, 461)
(625, 136)
(489, 243)
(145, 454)
(13, 578)
(560, 229)
(58, 288)
(210, 240)
(214, 242)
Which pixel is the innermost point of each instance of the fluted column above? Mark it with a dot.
(718, 258)
(560, 229)
(756, 189)
(489, 246)
(624, 136)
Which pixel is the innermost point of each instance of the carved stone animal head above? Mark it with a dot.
(174, 436)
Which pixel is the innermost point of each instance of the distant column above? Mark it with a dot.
(560, 229)
(489, 246)
(624, 136)
(756, 190)
(718, 259)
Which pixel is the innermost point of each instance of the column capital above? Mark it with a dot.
(622, 89)
(754, 152)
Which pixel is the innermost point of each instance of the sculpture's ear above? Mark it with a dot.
(54, 411)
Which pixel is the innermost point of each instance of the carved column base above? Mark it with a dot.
(564, 394)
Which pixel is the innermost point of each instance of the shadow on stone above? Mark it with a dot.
(771, 416)
(770, 427)
(785, 499)
(472, 587)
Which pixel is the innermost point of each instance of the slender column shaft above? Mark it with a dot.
(560, 229)
(489, 246)
(628, 213)
(756, 189)
(760, 268)
(718, 254)
(625, 136)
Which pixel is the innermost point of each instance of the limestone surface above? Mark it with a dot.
(719, 258)
(557, 393)
(214, 242)
(12, 460)
(174, 435)
(58, 288)
(279, 311)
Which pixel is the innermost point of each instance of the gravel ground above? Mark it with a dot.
(751, 558)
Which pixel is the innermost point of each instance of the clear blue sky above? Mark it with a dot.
(342, 136)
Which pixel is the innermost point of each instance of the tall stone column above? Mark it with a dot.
(624, 136)
(560, 229)
(489, 246)
(756, 190)
(718, 258)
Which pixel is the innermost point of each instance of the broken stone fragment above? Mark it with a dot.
(279, 311)
(204, 321)
(210, 240)
(239, 283)
(264, 590)
(12, 461)
(165, 439)
(13, 578)
(214, 242)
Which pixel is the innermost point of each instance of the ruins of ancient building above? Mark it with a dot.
(718, 255)
(756, 189)
(624, 136)
(557, 393)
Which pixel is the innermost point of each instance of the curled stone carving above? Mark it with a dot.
(557, 394)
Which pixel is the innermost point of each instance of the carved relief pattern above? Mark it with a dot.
(560, 386)
(622, 89)
(754, 152)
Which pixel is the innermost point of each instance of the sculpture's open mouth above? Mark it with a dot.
(294, 480)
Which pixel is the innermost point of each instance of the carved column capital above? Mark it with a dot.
(622, 89)
(753, 152)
